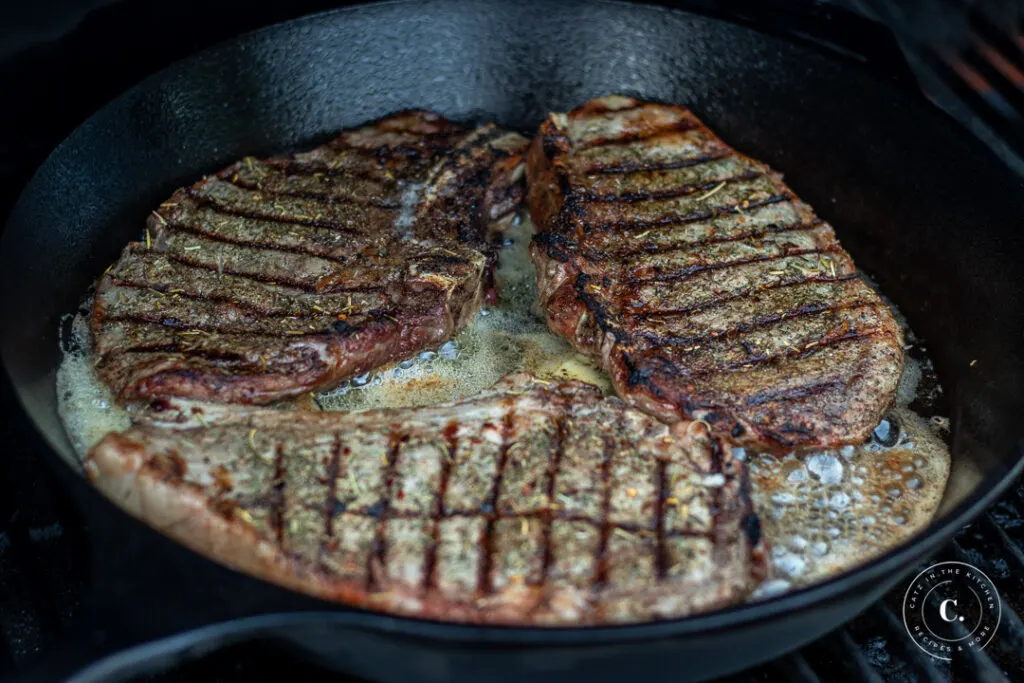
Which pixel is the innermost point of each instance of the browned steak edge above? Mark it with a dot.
(435, 284)
(151, 485)
(564, 272)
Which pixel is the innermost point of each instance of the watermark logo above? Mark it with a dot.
(951, 608)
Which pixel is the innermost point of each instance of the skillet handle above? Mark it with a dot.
(79, 653)
(90, 655)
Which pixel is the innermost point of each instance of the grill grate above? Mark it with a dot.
(969, 58)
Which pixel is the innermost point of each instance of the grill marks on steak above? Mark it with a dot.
(531, 503)
(701, 283)
(285, 275)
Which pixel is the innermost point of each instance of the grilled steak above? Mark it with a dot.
(279, 276)
(531, 503)
(701, 283)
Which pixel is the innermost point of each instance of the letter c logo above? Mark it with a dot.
(963, 596)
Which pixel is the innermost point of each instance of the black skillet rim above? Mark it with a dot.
(898, 560)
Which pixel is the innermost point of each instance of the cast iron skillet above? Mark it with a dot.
(924, 209)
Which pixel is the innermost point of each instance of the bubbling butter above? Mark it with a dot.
(829, 510)
(84, 403)
(823, 512)
(503, 338)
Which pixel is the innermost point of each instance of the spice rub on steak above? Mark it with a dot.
(699, 281)
(281, 276)
(531, 503)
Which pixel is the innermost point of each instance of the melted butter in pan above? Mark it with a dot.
(503, 338)
(84, 403)
(827, 511)
(823, 512)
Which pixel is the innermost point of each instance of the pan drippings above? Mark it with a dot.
(824, 512)
(829, 510)
(503, 338)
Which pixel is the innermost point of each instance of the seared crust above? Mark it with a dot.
(280, 276)
(531, 503)
(701, 283)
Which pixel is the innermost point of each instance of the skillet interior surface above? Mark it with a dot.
(925, 210)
